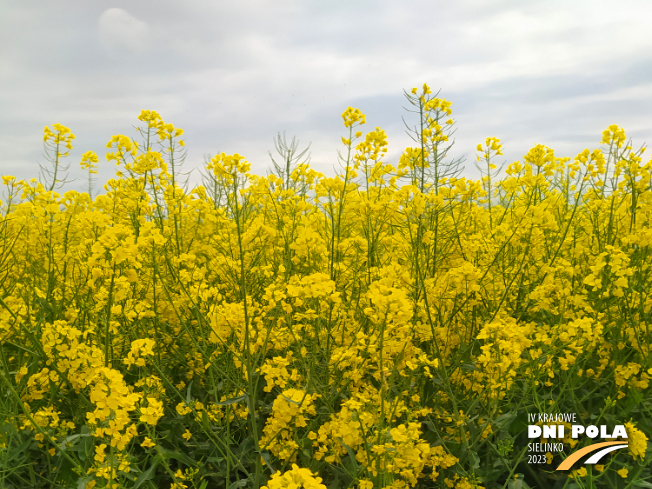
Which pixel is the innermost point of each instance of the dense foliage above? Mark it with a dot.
(391, 326)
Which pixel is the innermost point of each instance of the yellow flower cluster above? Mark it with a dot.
(89, 162)
(139, 349)
(59, 134)
(288, 413)
(296, 478)
(353, 117)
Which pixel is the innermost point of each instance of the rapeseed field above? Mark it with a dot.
(393, 326)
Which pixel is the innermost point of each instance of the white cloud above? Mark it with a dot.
(119, 31)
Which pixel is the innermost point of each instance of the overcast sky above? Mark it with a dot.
(233, 74)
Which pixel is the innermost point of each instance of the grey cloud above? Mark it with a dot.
(233, 74)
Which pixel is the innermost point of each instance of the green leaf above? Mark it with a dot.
(233, 400)
(85, 448)
(181, 457)
(266, 458)
(240, 483)
(518, 483)
(351, 454)
(642, 484)
(430, 425)
(65, 444)
(505, 419)
(470, 367)
(335, 484)
(21, 448)
(475, 460)
(147, 475)
(82, 481)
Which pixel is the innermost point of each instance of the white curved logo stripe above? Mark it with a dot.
(595, 458)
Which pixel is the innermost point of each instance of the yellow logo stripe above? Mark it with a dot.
(575, 456)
